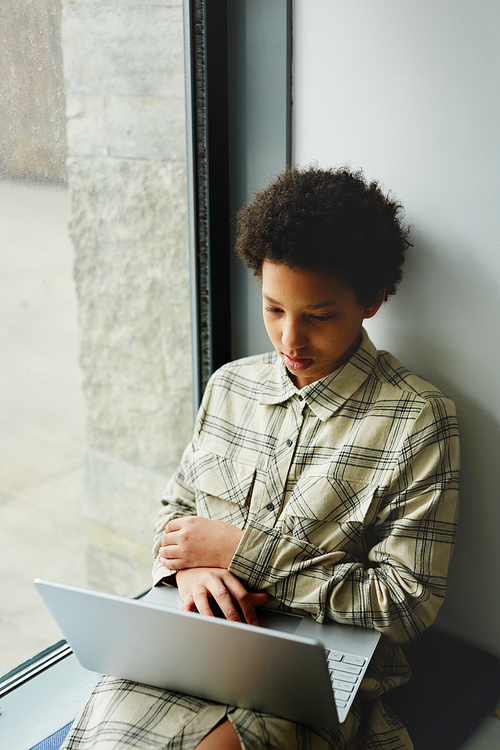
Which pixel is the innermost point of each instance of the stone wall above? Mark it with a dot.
(124, 76)
(32, 122)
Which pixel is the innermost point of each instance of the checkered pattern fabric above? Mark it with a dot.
(121, 715)
(346, 490)
(347, 494)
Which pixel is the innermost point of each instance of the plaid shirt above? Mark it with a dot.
(346, 489)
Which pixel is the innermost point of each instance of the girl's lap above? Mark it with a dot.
(124, 715)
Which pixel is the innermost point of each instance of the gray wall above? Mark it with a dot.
(124, 71)
(410, 93)
(32, 121)
(259, 102)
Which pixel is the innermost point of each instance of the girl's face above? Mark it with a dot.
(313, 320)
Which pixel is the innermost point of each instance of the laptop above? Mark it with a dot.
(290, 665)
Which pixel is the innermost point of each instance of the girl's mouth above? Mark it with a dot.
(296, 364)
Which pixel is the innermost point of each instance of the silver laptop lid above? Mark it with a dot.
(279, 667)
(223, 661)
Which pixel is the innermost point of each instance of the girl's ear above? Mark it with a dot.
(374, 307)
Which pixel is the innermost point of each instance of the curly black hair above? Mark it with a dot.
(327, 220)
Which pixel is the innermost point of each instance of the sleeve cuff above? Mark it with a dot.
(162, 575)
(253, 560)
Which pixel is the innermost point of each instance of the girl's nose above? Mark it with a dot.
(293, 335)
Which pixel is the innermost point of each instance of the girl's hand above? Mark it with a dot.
(195, 542)
(197, 585)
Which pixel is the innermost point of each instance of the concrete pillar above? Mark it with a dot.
(124, 76)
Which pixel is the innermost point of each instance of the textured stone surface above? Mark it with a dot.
(124, 48)
(86, 126)
(147, 127)
(117, 573)
(128, 227)
(124, 73)
(32, 126)
(122, 496)
(115, 562)
(129, 127)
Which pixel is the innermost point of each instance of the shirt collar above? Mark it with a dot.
(324, 397)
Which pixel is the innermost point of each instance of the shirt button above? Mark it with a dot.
(301, 398)
(270, 506)
(289, 442)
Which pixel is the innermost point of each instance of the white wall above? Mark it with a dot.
(409, 91)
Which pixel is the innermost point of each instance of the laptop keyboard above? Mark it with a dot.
(345, 674)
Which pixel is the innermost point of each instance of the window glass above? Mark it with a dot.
(41, 413)
(95, 330)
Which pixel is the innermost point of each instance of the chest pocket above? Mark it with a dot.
(222, 486)
(328, 512)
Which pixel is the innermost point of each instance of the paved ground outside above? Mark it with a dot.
(42, 421)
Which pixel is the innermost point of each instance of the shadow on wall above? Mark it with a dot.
(472, 606)
(453, 297)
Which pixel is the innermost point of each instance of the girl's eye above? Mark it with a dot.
(273, 310)
(321, 317)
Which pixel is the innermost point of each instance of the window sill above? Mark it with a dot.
(42, 695)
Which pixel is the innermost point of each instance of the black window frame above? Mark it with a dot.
(210, 192)
(211, 135)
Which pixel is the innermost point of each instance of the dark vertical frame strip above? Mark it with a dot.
(217, 128)
(208, 184)
(192, 195)
(194, 39)
(289, 82)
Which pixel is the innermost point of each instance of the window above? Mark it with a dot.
(120, 372)
(96, 327)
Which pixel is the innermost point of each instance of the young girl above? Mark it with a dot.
(321, 478)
